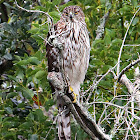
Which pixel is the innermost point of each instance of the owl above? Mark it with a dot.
(71, 31)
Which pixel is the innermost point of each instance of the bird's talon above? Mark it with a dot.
(75, 95)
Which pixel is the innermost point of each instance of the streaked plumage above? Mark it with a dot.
(72, 32)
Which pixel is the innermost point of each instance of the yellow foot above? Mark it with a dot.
(75, 95)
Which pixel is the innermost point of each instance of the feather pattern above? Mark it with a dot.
(71, 31)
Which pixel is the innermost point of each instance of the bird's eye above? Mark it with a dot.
(76, 13)
(66, 14)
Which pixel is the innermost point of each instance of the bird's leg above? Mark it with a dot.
(75, 95)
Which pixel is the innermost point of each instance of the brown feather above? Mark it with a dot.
(72, 33)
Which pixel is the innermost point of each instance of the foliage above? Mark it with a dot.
(25, 83)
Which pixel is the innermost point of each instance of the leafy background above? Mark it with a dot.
(23, 63)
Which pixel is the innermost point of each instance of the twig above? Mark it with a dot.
(94, 85)
(89, 125)
(51, 127)
(110, 70)
(127, 68)
(132, 45)
(58, 10)
(118, 67)
(106, 117)
(128, 125)
(108, 103)
(34, 11)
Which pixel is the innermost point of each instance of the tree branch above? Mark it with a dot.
(118, 67)
(34, 11)
(127, 68)
(132, 89)
(100, 28)
(95, 83)
(80, 113)
(124, 80)
(87, 123)
(137, 45)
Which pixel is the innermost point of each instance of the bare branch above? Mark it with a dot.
(127, 68)
(127, 83)
(85, 120)
(34, 11)
(132, 89)
(132, 45)
(100, 29)
(80, 113)
(58, 10)
(110, 70)
(95, 83)
(137, 85)
(111, 104)
(108, 103)
(118, 67)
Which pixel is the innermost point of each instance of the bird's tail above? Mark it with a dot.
(64, 130)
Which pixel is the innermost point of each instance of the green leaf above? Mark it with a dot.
(23, 62)
(20, 74)
(27, 93)
(96, 42)
(8, 56)
(116, 41)
(39, 116)
(134, 3)
(33, 30)
(110, 32)
(40, 74)
(0, 119)
(11, 95)
(38, 38)
(102, 53)
(17, 57)
(33, 60)
(119, 102)
(107, 39)
(55, 15)
(31, 72)
(9, 6)
(39, 55)
(8, 110)
(33, 137)
(48, 104)
(26, 125)
(30, 117)
(138, 113)
(97, 62)
(9, 135)
(56, 2)
(36, 25)
(135, 21)
(13, 78)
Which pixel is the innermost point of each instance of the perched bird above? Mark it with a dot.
(71, 31)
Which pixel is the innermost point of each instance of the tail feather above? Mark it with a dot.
(64, 131)
(57, 83)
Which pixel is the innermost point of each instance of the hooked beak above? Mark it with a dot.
(71, 16)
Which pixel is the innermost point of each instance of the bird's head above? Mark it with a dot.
(73, 13)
